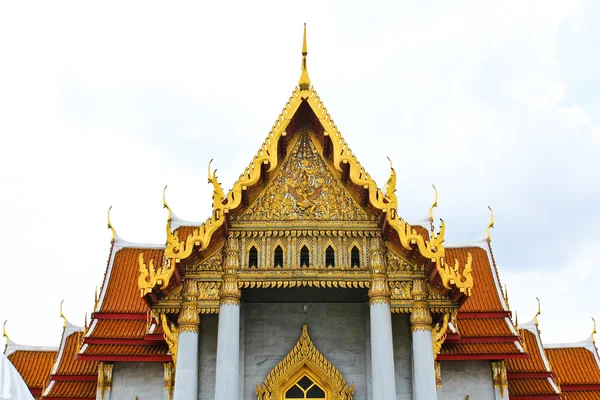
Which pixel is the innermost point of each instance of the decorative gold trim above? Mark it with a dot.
(169, 378)
(304, 355)
(438, 335)
(104, 383)
(490, 226)
(499, 374)
(434, 205)
(379, 292)
(110, 226)
(170, 335)
(189, 318)
(151, 276)
(304, 81)
(438, 374)
(63, 315)
(593, 335)
(5, 335)
(538, 313)
(420, 316)
(230, 292)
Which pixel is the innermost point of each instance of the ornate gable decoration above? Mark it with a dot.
(304, 355)
(304, 189)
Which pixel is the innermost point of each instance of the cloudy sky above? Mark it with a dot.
(495, 102)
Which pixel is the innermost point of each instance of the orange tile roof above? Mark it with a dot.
(479, 348)
(73, 390)
(122, 294)
(583, 395)
(523, 387)
(184, 231)
(34, 366)
(484, 328)
(68, 365)
(119, 329)
(485, 297)
(574, 366)
(535, 362)
(127, 350)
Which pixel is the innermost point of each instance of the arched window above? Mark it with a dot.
(305, 388)
(329, 257)
(304, 256)
(278, 257)
(355, 257)
(253, 257)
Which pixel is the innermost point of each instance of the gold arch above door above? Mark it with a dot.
(305, 361)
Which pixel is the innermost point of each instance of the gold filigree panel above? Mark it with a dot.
(304, 190)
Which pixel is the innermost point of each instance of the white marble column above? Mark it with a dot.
(186, 371)
(228, 336)
(382, 347)
(104, 384)
(423, 363)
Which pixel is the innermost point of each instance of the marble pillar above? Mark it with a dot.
(186, 372)
(423, 363)
(382, 348)
(228, 334)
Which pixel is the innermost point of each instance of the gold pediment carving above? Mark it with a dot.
(304, 189)
(304, 359)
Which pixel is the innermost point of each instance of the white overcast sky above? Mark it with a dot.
(101, 104)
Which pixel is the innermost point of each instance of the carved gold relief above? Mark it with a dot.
(304, 189)
(189, 318)
(401, 290)
(438, 335)
(499, 374)
(170, 335)
(304, 356)
(104, 378)
(420, 316)
(230, 292)
(438, 375)
(150, 276)
(379, 292)
(169, 379)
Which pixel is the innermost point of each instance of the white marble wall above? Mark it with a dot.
(337, 329)
(402, 356)
(144, 380)
(207, 357)
(462, 378)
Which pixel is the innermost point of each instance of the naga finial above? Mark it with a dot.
(594, 331)
(490, 225)
(165, 204)
(85, 322)
(390, 184)
(434, 205)
(110, 226)
(4, 334)
(538, 313)
(506, 297)
(96, 299)
(304, 81)
(218, 195)
(63, 315)
(516, 320)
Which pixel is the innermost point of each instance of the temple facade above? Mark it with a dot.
(305, 283)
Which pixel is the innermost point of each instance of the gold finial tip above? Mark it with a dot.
(490, 225)
(63, 315)
(304, 81)
(110, 226)
(539, 311)
(594, 331)
(4, 330)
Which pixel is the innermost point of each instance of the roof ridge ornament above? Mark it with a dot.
(63, 315)
(593, 335)
(490, 225)
(166, 205)
(4, 334)
(304, 81)
(110, 226)
(538, 313)
(434, 205)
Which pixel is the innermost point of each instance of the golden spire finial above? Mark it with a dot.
(165, 204)
(85, 322)
(516, 320)
(114, 233)
(539, 311)
(96, 298)
(506, 297)
(304, 81)
(5, 334)
(594, 331)
(434, 205)
(390, 184)
(63, 315)
(490, 225)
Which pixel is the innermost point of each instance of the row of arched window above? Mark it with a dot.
(305, 257)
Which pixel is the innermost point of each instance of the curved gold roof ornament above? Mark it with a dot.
(63, 315)
(165, 204)
(390, 184)
(218, 194)
(4, 334)
(490, 225)
(304, 81)
(434, 205)
(516, 320)
(593, 336)
(96, 299)
(110, 226)
(538, 313)
(506, 297)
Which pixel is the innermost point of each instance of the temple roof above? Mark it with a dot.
(34, 366)
(575, 364)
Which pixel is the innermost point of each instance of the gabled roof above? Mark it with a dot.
(576, 364)
(71, 377)
(118, 327)
(33, 364)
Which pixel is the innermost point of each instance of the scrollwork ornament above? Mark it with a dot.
(420, 316)
(169, 378)
(189, 318)
(500, 378)
(230, 292)
(104, 378)
(438, 335)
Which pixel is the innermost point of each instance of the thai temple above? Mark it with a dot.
(305, 282)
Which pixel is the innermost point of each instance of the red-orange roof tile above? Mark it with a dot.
(574, 366)
(535, 362)
(122, 294)
(34, 366)
(119, 329)
(485, 297)
(127, 350)
(484, 328)
(479, 348)
(582, 395)
(68, 364)
(522, 387)
(73, 390)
